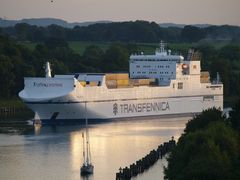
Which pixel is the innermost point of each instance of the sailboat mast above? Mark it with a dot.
(87, 167)
(84, 158)
(87, 138)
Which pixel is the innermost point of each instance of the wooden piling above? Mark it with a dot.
(146, 162)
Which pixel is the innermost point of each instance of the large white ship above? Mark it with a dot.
(159, 84)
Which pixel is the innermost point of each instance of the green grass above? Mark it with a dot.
(80, 46)
(148, 48)
(22, 112)
(13, 102)
(28, 44)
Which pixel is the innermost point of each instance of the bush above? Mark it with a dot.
(211, 154)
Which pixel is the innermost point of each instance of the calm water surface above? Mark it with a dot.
(56, 152)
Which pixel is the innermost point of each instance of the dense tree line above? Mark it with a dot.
(137, 31)
(208, 149)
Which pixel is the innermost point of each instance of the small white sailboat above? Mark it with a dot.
(87, 167)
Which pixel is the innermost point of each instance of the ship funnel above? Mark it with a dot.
(48, 70)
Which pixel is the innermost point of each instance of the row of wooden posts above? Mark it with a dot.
(9, 111)
(146, 162)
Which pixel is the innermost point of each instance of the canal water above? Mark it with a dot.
(56, 152)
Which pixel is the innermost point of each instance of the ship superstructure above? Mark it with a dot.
(159, 84)
(160, 66)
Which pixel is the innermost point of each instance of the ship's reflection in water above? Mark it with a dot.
(56, 152)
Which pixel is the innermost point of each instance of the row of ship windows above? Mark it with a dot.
(161, 79)
(139, 72)
(154, 60)
(138, 66)
(181, 78)
(179, 85)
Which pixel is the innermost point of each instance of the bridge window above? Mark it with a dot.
(180, 85)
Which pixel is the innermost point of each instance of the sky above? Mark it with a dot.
(160, 11)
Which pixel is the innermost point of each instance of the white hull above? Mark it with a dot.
(123, 108)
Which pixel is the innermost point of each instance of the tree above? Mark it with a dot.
(192, 34)
(22, 30)
(235, 116)
(93, 57)
(209, 54)
(7, 78)
(58, 67)
(116, 59)
(56, 31)
(208, 154)
(222, 66)
(202, 120)
(231, 52)
(53, 43)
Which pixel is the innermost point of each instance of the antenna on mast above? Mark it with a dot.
(161, 50)
(162, 44)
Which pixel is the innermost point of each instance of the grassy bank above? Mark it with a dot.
(13, 102)
(14, 109)
(148, 48)
(14, 116)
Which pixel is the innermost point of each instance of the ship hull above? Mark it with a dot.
(76, 111)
